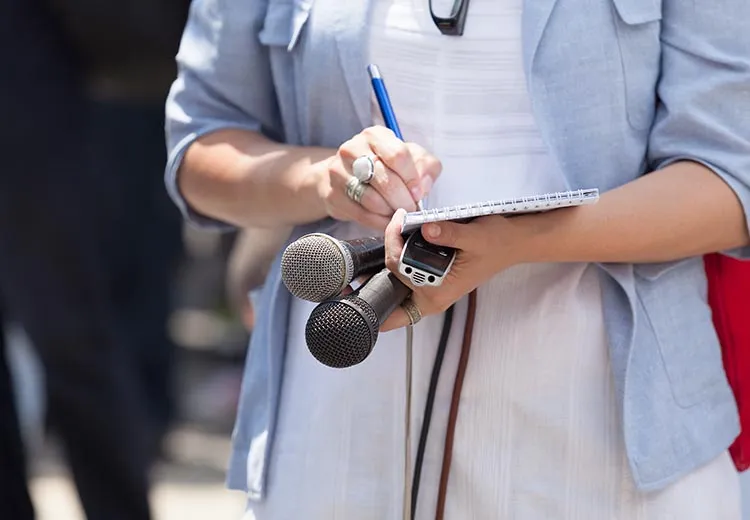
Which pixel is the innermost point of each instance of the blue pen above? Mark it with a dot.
(384, 102)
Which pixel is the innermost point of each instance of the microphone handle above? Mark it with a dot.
(368, 254)
(383, 292)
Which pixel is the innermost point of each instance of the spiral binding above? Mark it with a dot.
(527, 204)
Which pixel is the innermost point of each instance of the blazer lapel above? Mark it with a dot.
(351, 34)
(535, 16)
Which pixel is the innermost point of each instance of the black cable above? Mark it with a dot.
(436, 368)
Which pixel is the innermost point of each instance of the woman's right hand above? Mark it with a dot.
(404, 174)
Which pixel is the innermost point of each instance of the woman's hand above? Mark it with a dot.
(485, 247)
(404, 174)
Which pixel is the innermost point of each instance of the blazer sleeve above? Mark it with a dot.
(224, 81)
(703, 113)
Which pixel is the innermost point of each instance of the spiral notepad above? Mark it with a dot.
(530, 204)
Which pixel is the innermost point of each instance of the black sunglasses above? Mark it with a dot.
(454, 24)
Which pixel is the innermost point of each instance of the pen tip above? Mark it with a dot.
(373, 70)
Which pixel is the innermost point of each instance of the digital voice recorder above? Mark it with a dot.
(425, 263)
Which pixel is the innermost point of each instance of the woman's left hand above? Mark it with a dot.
(485, 247)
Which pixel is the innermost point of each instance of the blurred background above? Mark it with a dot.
(209, 343)
(122, 332)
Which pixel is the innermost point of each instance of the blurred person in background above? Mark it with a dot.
(86, 275)
(53, 279)
(249, 263)
(127, 57)
(595, 387)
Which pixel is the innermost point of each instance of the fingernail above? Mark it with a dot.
(416, 192)
(432, 230)
(426, 185)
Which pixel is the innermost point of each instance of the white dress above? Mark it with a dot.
(538, 435)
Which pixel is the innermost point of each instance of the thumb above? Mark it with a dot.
(450, 234)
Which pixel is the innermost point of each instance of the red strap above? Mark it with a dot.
(729, 298)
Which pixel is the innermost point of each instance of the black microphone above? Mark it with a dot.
(342, 332)
(317, 266)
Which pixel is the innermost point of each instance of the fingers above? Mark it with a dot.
(340, 207)
(416, 167)
(392, 188)
(372, 211)
(398, 319)
(428, 166)
(403, 174)
(374, 202)
(371, 200)
(455, 235)
(394, 243)
(351, 211)
(388, 182)
(397, 157)
(429, 300)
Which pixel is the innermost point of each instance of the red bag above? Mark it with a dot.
(729, 298)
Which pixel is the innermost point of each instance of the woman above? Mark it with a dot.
(595, 387)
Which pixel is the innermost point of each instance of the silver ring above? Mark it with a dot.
(363, 168)
(355, 189)
(412, 311)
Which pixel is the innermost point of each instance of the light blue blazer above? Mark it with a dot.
(618, 87)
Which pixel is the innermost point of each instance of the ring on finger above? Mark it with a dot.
(355, 189)
(363, 168)
(412, 311)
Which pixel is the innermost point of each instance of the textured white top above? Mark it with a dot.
(538, 435)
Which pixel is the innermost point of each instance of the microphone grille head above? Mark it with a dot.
(315, 267)
(342, 333)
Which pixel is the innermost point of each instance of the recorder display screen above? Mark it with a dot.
(426, 256)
